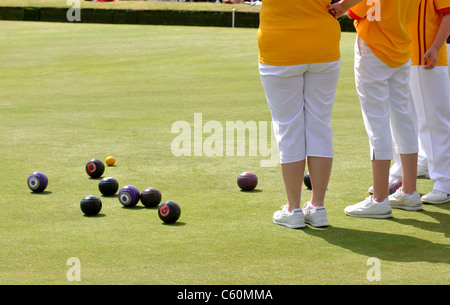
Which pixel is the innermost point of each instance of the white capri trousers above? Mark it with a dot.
(300, 99)
(430, 97)
(448, 56)
(384, 97)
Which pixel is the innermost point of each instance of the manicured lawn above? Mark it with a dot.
(73, 92)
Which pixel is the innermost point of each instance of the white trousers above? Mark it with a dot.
(430, 96)
(300, 100)
(384, 97)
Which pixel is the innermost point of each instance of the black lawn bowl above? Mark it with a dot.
(150, 197)
(108, 186)
(307, 181)
(169, 211)
(91, 205)
(95, 168)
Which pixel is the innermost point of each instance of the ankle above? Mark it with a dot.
(317, 205)
(292, 207)
(408, 191)
(377, 199)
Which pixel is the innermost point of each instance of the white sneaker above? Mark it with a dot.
(404, 201)
(315, 216)
(370, 209)
(436, 197)
(293, 220)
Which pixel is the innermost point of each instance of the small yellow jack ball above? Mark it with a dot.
(110, 161)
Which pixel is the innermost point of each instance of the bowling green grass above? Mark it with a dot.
(73, 92)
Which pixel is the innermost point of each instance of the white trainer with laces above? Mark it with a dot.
(436, 197)
(369, 208)
(293, 220)
(404, 201)
(315, 216)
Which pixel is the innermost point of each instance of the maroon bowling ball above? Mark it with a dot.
(247, 181)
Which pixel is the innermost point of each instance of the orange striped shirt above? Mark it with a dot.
(423, 30)
(383, 25)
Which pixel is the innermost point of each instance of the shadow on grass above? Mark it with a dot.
(133, 208)
(99, 215)
(385, 246)
(252, 191)
(110, 196)
(43, 193)
(442, 225)
(175, 224)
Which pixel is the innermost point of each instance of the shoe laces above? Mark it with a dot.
(308, 208)
(285, 211)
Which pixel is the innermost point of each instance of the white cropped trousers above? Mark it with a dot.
(384, 97)
(300, 99)
(430, 97)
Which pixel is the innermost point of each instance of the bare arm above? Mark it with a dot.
(430, 57)
(339, 8)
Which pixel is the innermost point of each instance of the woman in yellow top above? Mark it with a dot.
(430, 95)
(299, 62)
(382, 62)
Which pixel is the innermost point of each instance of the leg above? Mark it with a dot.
(293, 180)
(320, 171)
(403, 127)
(320, 90)
(405, 139)
(416, 103)
(380, 179)
(283, 87)
(371, 76)
(434, 106)
(284, 92)
(409, 172)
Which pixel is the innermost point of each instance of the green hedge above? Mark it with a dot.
(154, 17)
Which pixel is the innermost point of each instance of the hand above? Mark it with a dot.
(336, 9)
(430, 58)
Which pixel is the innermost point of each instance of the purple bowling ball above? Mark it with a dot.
(395, 185)
(129, 196)
(37, 182)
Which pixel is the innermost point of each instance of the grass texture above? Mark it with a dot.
(73, 92)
